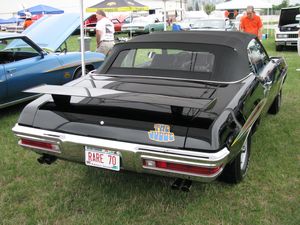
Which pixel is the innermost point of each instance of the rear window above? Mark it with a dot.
(166, 59)
(178, 60)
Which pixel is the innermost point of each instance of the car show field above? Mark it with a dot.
(67, 193)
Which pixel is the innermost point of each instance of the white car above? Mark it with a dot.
(298, 19)
(286, 34)
(187, 23)
(220, 24)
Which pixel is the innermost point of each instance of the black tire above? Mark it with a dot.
(78, 73)
(275, 107)
(235, 171)
(279, 48)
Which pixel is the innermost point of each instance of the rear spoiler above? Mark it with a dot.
(62, 95)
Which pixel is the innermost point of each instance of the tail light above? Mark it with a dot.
(42, 145)
(176, 167)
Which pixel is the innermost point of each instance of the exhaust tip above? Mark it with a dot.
(48, 159)
(186, 186)
(177, 184)
(41, 160)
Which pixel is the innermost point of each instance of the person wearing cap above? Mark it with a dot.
(104, 33)
(251, 23)
(28, 21)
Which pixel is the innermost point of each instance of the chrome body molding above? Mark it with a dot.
(19, 101)
(72, 148)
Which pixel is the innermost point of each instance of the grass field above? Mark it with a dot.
(66, 193)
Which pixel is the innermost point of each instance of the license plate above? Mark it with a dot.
(102, 158)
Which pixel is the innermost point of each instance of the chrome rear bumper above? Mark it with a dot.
(72, 148)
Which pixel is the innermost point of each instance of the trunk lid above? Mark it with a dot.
(147, 111)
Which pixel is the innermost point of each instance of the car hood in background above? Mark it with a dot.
(288, 16)
(51, 31)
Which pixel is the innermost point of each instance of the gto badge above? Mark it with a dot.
(161, 133)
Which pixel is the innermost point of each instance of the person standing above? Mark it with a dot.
(28, 21)
(251, 23)
(104, 33)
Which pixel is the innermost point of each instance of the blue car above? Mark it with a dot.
(40, 56)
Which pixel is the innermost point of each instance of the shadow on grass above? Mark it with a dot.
(12, 110)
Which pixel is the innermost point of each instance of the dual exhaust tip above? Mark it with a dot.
(183, 185)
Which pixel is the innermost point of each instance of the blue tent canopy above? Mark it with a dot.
(41, 9)
(11, 20)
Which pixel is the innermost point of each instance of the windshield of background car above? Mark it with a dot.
(193, 61)
(210, 24)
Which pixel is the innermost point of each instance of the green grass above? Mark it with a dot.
(66, 193)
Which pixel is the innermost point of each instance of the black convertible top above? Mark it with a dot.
(233, 39)
(229, 49)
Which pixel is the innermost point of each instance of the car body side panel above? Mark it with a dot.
(71, 62)
(275, 75)
(3, 88)
(72, 58)
(30, 72)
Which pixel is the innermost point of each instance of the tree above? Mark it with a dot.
(283, 4)
(208, 8)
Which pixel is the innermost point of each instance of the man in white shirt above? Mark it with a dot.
(104, 33)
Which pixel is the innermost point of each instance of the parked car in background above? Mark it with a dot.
(120, 21)
(143, 25)
(298, 45)
(40, 56)
(90, 24)
(189, 18)
(178, 104)
(117, 24)
(286, 34)
(186, 24)
(218, 24)
(90, 29)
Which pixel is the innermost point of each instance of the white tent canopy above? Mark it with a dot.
(242, 4)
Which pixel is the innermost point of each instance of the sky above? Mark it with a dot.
(8, 7)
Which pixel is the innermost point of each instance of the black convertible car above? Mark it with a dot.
(181, 104)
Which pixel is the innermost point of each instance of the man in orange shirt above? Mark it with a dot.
(28, 21)
(251, 23)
